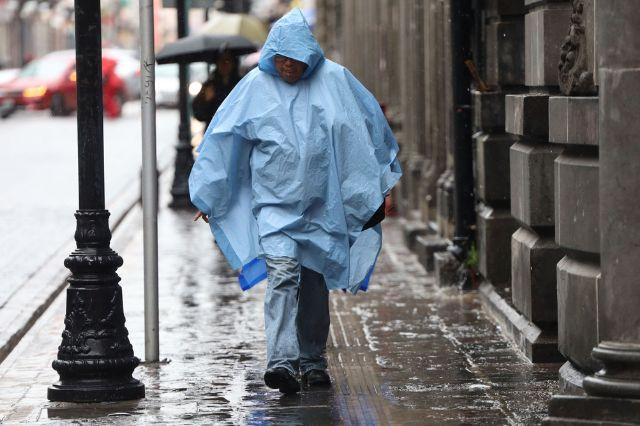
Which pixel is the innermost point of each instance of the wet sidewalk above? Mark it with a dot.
(403, 353)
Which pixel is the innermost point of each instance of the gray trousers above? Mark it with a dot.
(296, 316)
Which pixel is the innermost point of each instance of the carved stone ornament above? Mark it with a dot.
(574, 75)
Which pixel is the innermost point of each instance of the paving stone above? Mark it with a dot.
(573, 120)
(504, 52)
(492, 166)
(578, 311)
(527, 115)
(494, 230)
(531, 181)
(544, 31)
(533, 276)
(577, 202)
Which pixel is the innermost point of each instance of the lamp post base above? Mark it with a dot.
(95, 360)
(180, 189)
(95, 390)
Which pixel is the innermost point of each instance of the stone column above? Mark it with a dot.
(403, 133)
(436, 189)
(573, 122)
(444, 118)
(434, 76)
(503, 71)
(613, 394)
(411, 133)
(534, 253)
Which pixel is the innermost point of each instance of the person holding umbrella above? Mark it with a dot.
(291, 177)
(216, 88)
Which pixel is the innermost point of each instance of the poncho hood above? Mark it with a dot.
(291, 36)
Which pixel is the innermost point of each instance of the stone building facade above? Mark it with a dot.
(556, 163)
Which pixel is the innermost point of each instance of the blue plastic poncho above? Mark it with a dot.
(296, 170)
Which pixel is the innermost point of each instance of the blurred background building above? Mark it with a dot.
(32, 28)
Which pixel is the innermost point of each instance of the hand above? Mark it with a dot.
(201, 215)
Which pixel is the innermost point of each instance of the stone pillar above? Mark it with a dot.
(413, 112)
(436, 189)
(573, 123)
(503, 70)
(534, 253)
(613, 393)
(444, 117)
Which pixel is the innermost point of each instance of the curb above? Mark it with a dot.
(532, 342)
(36, 294)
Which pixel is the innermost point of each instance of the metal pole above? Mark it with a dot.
(95, 359)
(461, 23)
(149, 182)
(184, 157)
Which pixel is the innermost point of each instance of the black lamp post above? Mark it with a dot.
(95, 359)
(184, 157)
(461, 24)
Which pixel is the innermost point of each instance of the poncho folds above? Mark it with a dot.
(296, 170)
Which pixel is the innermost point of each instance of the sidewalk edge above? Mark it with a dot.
(35, 295)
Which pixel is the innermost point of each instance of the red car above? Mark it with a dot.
(50, 83)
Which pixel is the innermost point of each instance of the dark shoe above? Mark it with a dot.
(317, 378)
(280, 378)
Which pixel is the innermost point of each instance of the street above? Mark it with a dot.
(38, 168)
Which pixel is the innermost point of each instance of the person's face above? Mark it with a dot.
(225, 65)
(289, 69)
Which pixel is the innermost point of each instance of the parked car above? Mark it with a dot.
(8, 74)
(50, 83)
(43, 83)
(127, 68)
(167, 83)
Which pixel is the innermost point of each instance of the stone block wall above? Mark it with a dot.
(554, 143)
(573, 124)
(503, 71)
(534, 251)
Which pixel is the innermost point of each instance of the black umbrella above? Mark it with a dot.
(203, 48)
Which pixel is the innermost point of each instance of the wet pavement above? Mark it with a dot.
(38, 166)
(403, 353)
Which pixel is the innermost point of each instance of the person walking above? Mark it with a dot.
(112, 89)
(291, 176)
(216, 88)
